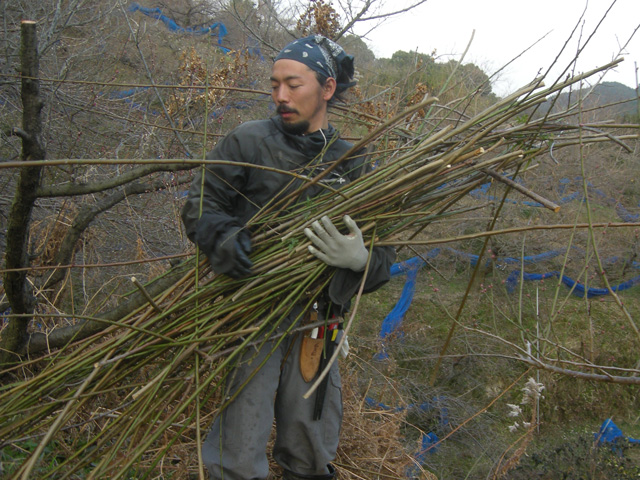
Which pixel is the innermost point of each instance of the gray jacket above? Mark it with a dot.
(232, 194)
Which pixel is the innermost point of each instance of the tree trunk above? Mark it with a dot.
(19, 294)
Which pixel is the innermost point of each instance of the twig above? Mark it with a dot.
(516, 186)
(146, 295)
(505, 231)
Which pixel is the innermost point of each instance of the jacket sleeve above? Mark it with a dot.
(208, 213)
(345, 283)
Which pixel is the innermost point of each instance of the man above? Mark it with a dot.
(306, 76)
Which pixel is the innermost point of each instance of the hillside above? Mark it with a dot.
(607, 100)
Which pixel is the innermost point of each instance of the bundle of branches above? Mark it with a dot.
(142, 387)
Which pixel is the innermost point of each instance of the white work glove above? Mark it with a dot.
(335, 249)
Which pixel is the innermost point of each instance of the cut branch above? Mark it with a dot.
(18, 132)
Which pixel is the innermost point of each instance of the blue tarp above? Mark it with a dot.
(611, 435)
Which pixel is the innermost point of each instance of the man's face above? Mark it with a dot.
(300, 100)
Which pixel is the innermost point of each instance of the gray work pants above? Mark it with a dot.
(235, 448)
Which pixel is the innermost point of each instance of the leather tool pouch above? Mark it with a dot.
(310, 356)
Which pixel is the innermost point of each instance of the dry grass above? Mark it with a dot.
(371, 444)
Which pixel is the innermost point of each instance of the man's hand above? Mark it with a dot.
(236, 248)
(335, 249)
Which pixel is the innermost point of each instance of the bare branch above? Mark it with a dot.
(109, 183)
(150, 76)
(58, 338)
(383, 16)
(85, 216)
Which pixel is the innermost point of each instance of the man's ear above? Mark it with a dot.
(329, 88)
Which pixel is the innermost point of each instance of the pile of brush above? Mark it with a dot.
(150, 382)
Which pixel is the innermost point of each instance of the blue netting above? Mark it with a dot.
(217, 27)
(564, 185)
(429, 441)
(127, 93)
(253, 49)
(437, 403)
(529, 259)
(410, 268)
(393, 321)
(578, 289)
(126, 96)
(173, 26)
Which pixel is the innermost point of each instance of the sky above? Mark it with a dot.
(504, 29)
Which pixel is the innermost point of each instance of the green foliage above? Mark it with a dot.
(355, 46)
(12, 456)
(406, 70)
(573, 454)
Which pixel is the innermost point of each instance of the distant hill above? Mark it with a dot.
(611, 101)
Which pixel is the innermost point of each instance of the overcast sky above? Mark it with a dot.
(506, 28)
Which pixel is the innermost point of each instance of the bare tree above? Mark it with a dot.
(83, 98)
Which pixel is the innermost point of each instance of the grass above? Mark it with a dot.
(474, 374)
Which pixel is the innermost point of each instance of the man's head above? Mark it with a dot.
(307, 74)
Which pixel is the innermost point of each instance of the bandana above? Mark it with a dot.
(323, 56)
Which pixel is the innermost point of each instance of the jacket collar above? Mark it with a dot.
(311, 144)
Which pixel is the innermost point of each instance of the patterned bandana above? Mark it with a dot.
(323, 56)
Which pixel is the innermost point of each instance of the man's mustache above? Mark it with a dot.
(284, 109)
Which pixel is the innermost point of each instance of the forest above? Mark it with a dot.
(504, 346)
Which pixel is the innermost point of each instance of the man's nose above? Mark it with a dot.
(280, 95)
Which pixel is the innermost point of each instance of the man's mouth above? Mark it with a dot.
(285, 112)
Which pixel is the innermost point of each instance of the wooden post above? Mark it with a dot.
(20, 296)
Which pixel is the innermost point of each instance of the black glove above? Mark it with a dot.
(235, 249)
(226, 244)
